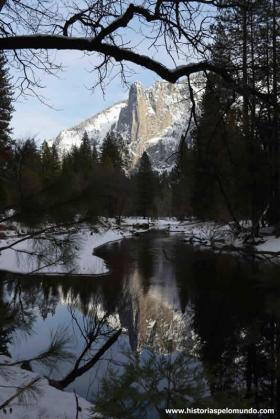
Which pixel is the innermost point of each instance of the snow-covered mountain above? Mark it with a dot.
(152, 119)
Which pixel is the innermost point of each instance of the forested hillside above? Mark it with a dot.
(227, 163)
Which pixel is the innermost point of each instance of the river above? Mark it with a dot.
(223, 310)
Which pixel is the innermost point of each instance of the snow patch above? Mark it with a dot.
(47, 402)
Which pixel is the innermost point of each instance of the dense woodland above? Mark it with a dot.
(227, 169)
(227, 164)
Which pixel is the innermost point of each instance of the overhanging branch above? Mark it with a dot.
(57, 42)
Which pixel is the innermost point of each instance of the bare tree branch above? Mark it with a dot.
(179, 28)
(121, 54)
(78, 371)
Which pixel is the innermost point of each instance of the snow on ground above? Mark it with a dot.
(272, 244)
(40, 256)
(49, 402)
(37, 255)
(23, 257)
(45, 402)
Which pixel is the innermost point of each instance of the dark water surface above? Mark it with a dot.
(159, 288)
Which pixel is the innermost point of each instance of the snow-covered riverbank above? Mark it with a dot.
(47, 253)
(50, 402)
(222, 238)
(44, 254)
(25, 395)
(72, 251)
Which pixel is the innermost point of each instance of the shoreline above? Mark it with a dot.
(31, 257)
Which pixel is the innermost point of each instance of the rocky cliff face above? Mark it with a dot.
(151, 120)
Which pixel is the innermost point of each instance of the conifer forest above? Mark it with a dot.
(139, 209)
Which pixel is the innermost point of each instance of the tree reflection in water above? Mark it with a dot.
(227, 311)
(15, 312)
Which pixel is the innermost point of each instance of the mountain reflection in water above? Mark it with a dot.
(225, 310)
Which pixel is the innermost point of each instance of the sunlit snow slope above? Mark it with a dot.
(152, 119)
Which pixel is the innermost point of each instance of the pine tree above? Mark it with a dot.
(6, 109)
(86, 157)
(163, 200)
(29, 180)
(50, 164)
(111, 156)
(247, 36)
(113, 182)
(94, 155)
(145, 184)
(182, 179)
(218, 155)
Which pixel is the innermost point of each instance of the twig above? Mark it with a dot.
(19, 392)
(78, 408)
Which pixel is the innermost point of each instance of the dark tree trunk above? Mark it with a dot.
(275, 199)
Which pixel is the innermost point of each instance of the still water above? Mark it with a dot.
(224, 310)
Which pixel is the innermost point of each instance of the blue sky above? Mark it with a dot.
(71, 98)
(70, 94)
